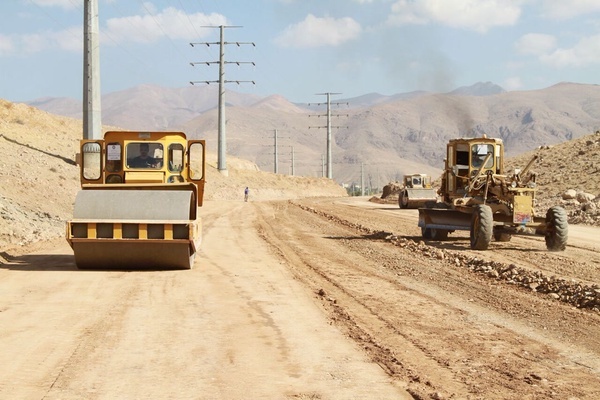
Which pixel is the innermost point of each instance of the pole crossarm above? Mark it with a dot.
(226, 62)
(218, 43)
(325, 115)
(209, 82)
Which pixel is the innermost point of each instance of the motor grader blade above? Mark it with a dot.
(134, 229)
(446, 219)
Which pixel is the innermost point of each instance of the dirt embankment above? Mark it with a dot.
(39, 178)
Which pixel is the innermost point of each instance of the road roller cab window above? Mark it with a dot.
(196, 161)
(144, 155)
(91, 161)
(176, 152)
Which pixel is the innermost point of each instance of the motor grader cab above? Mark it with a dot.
(138, 203)
(477, 196)
(417, 191)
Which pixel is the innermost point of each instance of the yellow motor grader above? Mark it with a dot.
(138, 203)
(477, 196)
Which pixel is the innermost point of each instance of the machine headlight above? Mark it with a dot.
(114, 179)
(531, 185)
(513, 184)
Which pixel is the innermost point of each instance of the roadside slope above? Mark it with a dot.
(39, 178)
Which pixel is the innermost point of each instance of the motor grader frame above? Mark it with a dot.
(477, 196)
(138, 203)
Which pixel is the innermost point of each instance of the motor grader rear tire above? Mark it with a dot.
(403, 200)
(434, 233)
(482, 227)
(502, 237)
(557, 229)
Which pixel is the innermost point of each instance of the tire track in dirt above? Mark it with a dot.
(382, 298)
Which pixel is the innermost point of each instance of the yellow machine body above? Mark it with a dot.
(138, 203)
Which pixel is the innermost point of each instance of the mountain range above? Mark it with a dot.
(375, 138)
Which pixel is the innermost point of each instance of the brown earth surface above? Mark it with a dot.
(291, 297)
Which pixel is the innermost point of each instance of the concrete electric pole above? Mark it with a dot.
(329, 127)
(222, 142)
(362, 179)
(92, 123)
(276, 160)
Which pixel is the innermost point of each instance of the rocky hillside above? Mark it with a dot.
(568, 174)
(381, 137)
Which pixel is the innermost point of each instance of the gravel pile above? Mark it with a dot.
(574, 293)
(571, 292)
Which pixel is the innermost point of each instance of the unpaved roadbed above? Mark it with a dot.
(313, 299)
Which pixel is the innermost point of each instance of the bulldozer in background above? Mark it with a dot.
(414, 192)
(417, 191)
(476, 195)
(138, 203)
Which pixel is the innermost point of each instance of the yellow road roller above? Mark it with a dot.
(138, 203)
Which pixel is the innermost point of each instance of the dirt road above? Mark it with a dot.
(306, 299)
(237, 326)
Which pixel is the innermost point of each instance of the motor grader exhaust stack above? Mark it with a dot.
(477, 196)
(138, 203)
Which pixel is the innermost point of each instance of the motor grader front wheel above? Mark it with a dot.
(482, 227)
(557, 229)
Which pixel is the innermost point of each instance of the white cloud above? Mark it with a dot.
(535, 44)
(563, 9)
(583, 54)
(170, 22)
(6, 45)
(66, 4)
(513, 83)
(316, 32)
(477, 15)
(69, 39)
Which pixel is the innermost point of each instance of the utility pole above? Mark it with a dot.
(276, 138)
(292, 160)
(92, 124)
(222, 142)
(276, 160)
(362, 179)
(328, 126)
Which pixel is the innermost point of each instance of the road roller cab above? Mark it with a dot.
(138, 203)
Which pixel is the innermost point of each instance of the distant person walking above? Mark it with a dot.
(246, 193)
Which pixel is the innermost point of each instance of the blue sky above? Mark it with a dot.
(303, 47)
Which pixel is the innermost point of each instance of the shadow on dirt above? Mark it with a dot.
(67, 160)
(38, 262)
